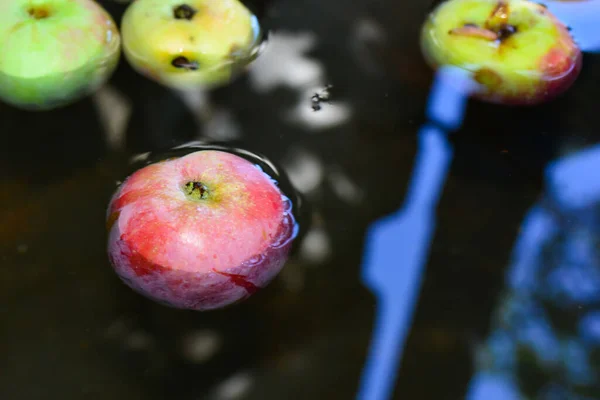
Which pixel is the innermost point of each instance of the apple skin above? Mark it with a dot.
(533, 65)
(199, 252)
(217, 41)
(54, 52)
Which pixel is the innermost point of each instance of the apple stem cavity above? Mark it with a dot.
(184, 63)
(196, 190)
(38, 12)
(506, 31)
(184, 11)
(496, 26)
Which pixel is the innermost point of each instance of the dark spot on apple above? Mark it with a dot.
(240, 280)
(192, 39)
(112, 218)
(38, 12)
(196, 190)
(184, 11)
(184, 63)
(487, 77)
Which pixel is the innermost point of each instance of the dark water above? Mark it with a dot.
(507, 292)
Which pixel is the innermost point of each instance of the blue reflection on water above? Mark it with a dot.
(589, 328)
(554, 277)
(582, 17)
(397, 246)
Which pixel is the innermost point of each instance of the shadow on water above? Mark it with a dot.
(476, 201)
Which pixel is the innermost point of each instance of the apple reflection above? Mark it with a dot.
(545, 338)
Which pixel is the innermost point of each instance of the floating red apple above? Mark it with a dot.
(201, 231)
(517, 50)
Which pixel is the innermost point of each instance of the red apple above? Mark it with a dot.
(199, 232)
(517, 50)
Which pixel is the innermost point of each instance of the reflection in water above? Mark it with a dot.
(286, 62)
(545, 342)
(397, 246)
(582, 17)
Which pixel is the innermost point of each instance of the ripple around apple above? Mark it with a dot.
(158, 256)
(55, 52)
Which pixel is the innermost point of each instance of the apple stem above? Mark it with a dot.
(499, 17)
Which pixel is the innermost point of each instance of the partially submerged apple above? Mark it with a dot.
(517, 50)
(199, 232)
(189, 43)
(54, 52)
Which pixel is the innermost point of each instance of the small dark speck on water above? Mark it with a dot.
(323, 96)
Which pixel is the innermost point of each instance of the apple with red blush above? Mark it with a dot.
(201, 231)
(517, 50)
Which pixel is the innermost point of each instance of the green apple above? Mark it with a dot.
(517, 50)
(54, 52)
(187, 44)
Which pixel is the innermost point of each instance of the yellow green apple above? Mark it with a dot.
(54, 52)
(189, 43)
(517, 50)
